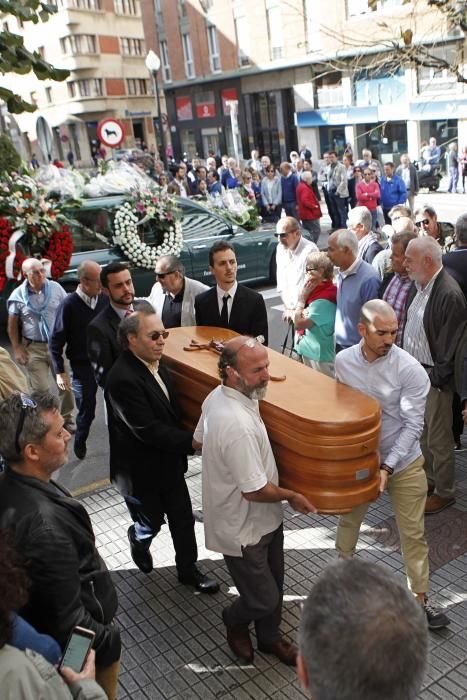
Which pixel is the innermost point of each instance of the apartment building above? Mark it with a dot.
(304, 72)
(102, 43)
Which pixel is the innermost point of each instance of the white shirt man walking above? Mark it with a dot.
(292, 252)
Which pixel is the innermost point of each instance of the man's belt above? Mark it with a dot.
(29, 340)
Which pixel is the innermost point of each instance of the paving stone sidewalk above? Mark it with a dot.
(173, 639)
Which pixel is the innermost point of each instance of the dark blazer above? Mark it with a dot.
(248, 315)
(103, 346)
(455, 262)
(148, 447)
(444, 321)
(70, 584)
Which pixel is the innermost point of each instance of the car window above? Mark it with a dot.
(91, 230)
(201, 224)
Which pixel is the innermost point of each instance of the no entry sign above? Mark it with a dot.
(110, 132)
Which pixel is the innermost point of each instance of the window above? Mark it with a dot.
(275, 31)
(243, 40)
(165, 62)
(214, 57)
(158, 5)
(92, 87)
(131, 47)
(362, 7)
(84, 4)
(329, 90)
(48, 95)
(188, 56)
(78, 44)
(125, 7)
(439, 79)
(137, 86)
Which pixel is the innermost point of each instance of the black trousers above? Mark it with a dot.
(84, 388)
(149, 511)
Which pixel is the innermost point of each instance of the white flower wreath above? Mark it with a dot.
(139, 253)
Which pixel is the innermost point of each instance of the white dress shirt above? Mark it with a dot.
(221, 293)
(291, 270)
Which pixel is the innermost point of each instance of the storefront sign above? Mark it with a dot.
(337, 116)
(454, 109)
(184, 108)
(227, 95)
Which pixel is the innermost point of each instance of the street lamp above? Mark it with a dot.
(153, 63)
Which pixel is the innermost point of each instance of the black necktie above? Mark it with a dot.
(225, 311)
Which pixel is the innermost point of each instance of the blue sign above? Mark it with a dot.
(337, 116)
(454, 109)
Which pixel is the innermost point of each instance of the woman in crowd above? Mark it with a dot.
(315, 315)
(256, 186)
(271, 196)
(368, 193)
(246, 187)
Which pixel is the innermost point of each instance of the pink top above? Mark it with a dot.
(368, 194)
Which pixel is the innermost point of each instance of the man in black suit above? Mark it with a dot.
(148, 448)
(229, 304)
(102, 343)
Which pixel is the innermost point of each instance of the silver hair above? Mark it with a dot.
(360, 215)
(174, 264)
(429, 248)
(461, 229)
(130, 324)
(34, 429)
(347, 239)
(82, 267)
(357, 616)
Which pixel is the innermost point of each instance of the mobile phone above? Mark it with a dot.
(77, 649)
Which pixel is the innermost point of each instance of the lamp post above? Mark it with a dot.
(153, 63)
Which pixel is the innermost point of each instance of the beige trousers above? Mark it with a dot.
(407, 492)
(39, 367)
(437, 442)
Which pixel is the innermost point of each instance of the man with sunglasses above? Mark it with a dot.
(173, 295)
(426, 220)
(148, 448)
(70, 584)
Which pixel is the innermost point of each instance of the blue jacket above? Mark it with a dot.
(393, 191)
(289, 185)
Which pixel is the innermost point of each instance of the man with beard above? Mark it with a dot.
(376, 366)
(242, 500)
(102, 343)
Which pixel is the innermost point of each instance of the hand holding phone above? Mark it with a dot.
(77, 649)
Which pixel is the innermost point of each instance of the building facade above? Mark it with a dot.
(304, 72)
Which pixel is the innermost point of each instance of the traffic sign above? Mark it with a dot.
(110, 132)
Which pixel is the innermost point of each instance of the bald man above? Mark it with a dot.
(74, 314)
(376, 366)
(242, 500)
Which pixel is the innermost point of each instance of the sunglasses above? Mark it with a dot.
(26, 402)
(425, 222)
(157, 334)
(161, 275)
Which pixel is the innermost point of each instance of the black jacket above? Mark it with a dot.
(455, 262)
(444, 321)
(147, 445)
(248, 315)
(103, 346)
(70, 584)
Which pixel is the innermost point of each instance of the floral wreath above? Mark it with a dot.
(145, 206)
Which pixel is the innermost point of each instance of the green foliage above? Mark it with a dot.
(9, 157)
(14, 56)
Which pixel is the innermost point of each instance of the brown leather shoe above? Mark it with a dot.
(435, 504)
(239, 640)
(285, 652)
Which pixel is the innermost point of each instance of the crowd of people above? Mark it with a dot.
(383, 311)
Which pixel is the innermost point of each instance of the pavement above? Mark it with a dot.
(173, 638)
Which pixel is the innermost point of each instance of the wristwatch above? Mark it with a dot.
(387, 469)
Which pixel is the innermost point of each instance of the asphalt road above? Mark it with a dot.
(80, 476)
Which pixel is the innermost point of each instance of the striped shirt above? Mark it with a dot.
(415, 340)
(396, 295)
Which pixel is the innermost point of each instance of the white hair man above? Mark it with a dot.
(291, 255)
(173, 295)
(435, 322)
(359, 221)
(376, 366)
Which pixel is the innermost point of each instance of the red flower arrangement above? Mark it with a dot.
(6, 230)
(59, 250)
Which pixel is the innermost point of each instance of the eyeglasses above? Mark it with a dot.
(425, 222)
(311, 269)
(161, 275)
(157, 334)
(26, 402)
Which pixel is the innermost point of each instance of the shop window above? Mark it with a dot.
(372, 88)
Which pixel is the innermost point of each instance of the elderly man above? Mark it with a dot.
(426, 220)
(409, 175)
(70, 584)
(149, 448)
(74, 315)
(367, 161)
(289, 184)
(309, 211)
(32, 308)
(357, 283)
(291, 255)
(396, 284)
(435, 322)
(400, 385)
(242, 500)
(357, 616)
(338, 189)
(229, 172)
(173, 295)
(359, 221)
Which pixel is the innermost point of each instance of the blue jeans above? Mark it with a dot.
(453, 179)
(340, 204)
(84, 389)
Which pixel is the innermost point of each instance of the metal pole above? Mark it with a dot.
(161, 126)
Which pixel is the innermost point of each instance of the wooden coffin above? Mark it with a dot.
(324, 435)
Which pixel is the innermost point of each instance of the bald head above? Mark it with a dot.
(243, 365)
(88, 268)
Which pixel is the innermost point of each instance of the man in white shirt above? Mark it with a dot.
(242, 500)
(376, 366)
(292, 252)
(173, 295)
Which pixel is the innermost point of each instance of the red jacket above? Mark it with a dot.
(367, 194)
(307, 204)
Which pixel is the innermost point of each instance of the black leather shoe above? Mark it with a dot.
(79, 449)
(140, 552)
(202, 583)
